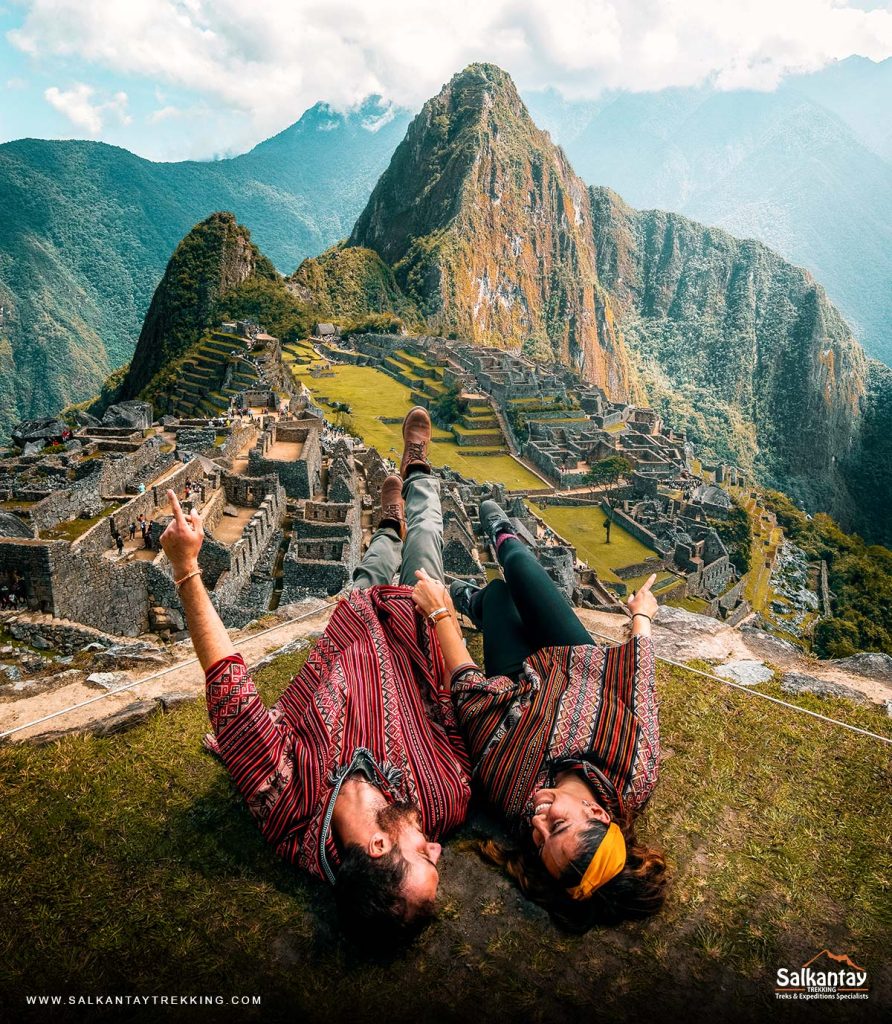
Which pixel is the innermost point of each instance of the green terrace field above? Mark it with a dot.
(372, 395)
(583, 528)
(131, 865)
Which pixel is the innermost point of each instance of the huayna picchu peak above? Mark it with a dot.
(489, 231)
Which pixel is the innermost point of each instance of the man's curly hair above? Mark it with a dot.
(372, 909)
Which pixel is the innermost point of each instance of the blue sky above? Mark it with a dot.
(179, 79)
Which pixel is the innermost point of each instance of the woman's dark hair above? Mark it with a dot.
(638, 891)
(372, 909)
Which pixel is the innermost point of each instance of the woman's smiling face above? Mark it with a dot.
(559, 815)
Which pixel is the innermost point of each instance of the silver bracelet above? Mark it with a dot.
(437, 614)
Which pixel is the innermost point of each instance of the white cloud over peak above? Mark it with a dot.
(78, 106)
(269, 60)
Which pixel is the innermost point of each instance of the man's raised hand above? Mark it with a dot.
(643, 600)
(182, 538)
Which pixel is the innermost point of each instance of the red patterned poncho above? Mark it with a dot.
(370, 697)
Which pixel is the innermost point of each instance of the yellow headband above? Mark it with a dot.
(608, 861)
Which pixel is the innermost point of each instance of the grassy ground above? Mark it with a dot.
(370, 393)
(130, 866)
(583, 527)
(71, 529)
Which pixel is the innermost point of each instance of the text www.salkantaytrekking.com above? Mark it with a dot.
(131, 1000)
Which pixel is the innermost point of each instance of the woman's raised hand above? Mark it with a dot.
(429, 594)
(643, 600)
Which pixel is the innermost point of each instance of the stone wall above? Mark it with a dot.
(240, 436)
(32, 560)
(118, 470)
(97, 592)
(62, 637)
(638, 531)
(197, 440)
(99, 537)
(247, 550)
(301, 477)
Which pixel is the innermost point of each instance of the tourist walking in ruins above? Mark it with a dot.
(132, 530)
(563, 734)
(359, 768)
(119, 542)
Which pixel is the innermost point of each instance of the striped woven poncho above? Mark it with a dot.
(371, 697)
(589, 708)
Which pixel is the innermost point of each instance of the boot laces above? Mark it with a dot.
(415, 451)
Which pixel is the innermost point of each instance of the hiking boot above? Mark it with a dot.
(461, 592)
(416, 438)
(393, 508)
(494, 521)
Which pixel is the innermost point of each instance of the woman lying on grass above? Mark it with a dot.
(564, 738)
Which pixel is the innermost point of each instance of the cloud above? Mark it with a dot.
(16, 84)
(77, 105)
(267, 62)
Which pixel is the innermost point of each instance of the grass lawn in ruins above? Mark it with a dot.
(372, 394)
(583, 528)
(130, 865)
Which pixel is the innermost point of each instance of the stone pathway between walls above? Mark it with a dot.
(679, 635)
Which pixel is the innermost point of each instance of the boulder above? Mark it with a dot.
(175, 698)
(131, 655)
(128, 717)
(129, 414)
(12, 526)
(32, 448)
(169, 421)
(41, 431)
(800, 682)
(873, 665)
(84, 419)
(745, 672)
(104, 680)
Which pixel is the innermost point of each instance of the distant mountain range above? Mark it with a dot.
(480, 229)
(806, 169)
(87, 229)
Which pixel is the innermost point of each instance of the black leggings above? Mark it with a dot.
(522, 613)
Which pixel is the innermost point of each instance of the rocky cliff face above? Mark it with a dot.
(215, 257)
(489, 231)
(740, 345)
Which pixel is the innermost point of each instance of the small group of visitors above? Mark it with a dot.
(370, 756)
(12, 591)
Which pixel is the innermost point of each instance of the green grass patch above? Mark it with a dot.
(583, 528)
(74, 528)
(371, 393)
(130, 865)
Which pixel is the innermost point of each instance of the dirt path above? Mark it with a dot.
(183, 677)
(684, 637)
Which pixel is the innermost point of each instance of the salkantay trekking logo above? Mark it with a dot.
(826, 976)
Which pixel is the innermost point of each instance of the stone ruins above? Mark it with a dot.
(288, 499)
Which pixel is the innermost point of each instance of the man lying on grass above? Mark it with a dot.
(359, 766)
